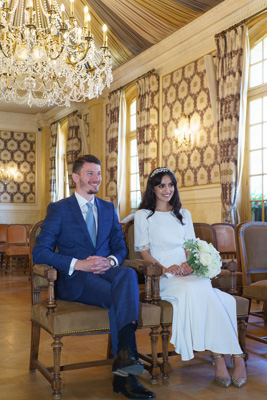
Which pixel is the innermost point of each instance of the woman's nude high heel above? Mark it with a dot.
(238, 382)
(224, 382)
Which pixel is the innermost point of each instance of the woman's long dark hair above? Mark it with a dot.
(149, 198)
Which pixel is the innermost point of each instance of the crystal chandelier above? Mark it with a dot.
(46, 58)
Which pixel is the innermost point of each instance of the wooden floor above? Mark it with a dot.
(189, 380)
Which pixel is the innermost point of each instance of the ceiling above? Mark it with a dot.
(133, 27)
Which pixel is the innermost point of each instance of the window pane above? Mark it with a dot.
(265, 161)
(265, 48)
(133, 200)
(265, 186)
(264, 134)
(255, 187)
(255, 162)
(133, 108)
(256, 53)
(265, 71)
(265, 108)
(134, 165)
(133, 148)
(133, 123)
(255, 138)
(133, 182)
(255, 111)
(255, 76)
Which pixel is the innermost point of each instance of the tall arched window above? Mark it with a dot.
(132, 194)
(257, 132)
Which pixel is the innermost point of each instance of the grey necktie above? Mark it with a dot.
(90, 221)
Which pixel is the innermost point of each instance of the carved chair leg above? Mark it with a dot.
(165, 334)
(35, 340)
(155, 370)
(57, 382)
(109, 348)
(6, 266)
(242, 329)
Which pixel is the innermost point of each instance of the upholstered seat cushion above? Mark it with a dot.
(222, 281)
(166, 312)
(257, 290)
(242, 305)
(71, 317)
(18, 250)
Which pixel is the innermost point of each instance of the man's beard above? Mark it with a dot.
(93, 191)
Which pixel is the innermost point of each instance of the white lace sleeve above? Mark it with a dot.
(141, 232)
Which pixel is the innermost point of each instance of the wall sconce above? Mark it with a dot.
(182, 137)
(7, 175)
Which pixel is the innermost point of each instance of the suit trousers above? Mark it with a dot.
(116, 290)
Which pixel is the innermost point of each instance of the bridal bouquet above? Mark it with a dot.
(203, 258)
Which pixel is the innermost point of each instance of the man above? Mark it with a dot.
(90, 249)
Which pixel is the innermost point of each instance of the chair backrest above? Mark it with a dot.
(225, 238)
(125, 220)
(253, 249)
(16, 235)
(237, 242)
(3, 228)
(129, 236)
(205, 232)
(34, 232)
(37, 282)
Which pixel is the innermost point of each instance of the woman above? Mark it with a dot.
(204, 318)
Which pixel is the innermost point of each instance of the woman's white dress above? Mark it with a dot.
(204, 318)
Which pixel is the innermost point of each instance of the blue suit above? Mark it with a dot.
(64, 229)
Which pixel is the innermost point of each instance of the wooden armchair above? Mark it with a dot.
(64, 318)
(17, 246)
(229, 278)
(152, 294)
(252, 237)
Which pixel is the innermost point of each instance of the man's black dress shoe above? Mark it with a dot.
(131, 388)
(125, 363)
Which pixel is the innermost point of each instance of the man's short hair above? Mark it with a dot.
(87, 158)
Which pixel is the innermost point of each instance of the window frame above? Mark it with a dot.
(254, 93)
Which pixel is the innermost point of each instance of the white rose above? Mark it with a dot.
(205, 259)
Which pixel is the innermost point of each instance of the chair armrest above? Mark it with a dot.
(145, 267)
(232, 267)
(45, 271)
(49, 273)
(152, 273)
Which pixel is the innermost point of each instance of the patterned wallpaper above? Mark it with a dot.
(186, 93)
(17, 150)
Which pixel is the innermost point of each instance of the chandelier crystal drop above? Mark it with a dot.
(46, 58)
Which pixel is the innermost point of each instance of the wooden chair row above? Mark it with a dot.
(14, 245)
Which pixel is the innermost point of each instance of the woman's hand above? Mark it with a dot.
(173, 269)
(186, 269)
(183, 270)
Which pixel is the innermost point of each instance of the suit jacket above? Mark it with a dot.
(65, 229)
